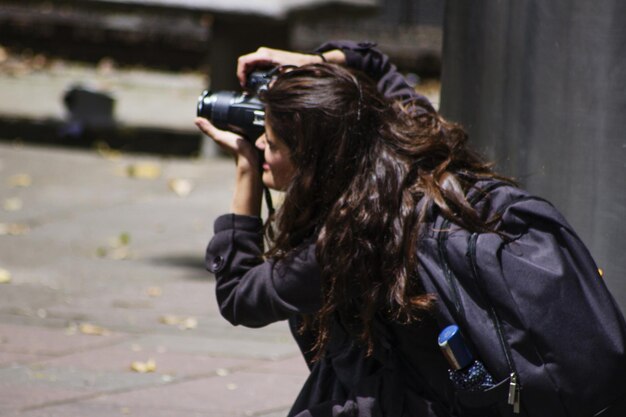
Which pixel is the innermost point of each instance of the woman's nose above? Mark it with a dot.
(260, 142)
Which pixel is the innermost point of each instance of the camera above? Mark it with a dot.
(240, 112)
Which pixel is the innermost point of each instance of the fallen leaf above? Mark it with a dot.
(231, 387)
(154, 292)
(13, 229)
(183, 323)
(121, 240)
(144, 170)
(222, 372)
(106, 152)
(143, 367)
(169, 319)
(188, 323)
(20, 180)
(601, 272)
(5, 276)
(13, 204)
(124, 239)
(93, 330)
(180, 187)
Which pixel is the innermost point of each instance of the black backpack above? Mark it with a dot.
(533, 308)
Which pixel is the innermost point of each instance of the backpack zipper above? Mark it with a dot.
(514, 393)
(514, 384)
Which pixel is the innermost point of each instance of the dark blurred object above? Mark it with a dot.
(541, 87)
(87, 109)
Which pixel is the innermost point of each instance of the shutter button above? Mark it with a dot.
(218, 261)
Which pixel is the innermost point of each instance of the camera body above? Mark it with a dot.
(240, 112)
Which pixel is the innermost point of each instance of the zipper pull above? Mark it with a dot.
(514, 393)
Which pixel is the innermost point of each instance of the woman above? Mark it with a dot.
(371, 180)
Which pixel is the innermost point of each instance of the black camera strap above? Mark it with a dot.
(268, 201)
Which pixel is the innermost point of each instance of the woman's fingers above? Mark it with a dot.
(246, 63)
(229, 141)
(271, 57)
(222, 137)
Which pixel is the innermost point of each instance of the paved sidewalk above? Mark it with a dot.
(106, 309)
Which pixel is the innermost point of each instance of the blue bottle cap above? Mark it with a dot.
(454, 348)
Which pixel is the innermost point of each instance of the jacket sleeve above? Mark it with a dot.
(254, 292)
(364, 56)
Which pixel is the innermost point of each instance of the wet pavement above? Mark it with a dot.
(105, 306)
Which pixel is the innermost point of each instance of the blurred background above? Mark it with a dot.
(150, 59)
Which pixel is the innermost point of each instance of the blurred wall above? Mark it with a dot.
(541, 88)
(409, 31)
(232, 37)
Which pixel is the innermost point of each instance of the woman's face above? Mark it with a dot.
(278, 169)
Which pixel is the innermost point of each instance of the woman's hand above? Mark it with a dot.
(248, 184)
(272, 57)
(246, 155)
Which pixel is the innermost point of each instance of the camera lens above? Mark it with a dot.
(215, 107)
(228, 110)
(200, 110)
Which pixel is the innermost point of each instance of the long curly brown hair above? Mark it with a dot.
(367, 173)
